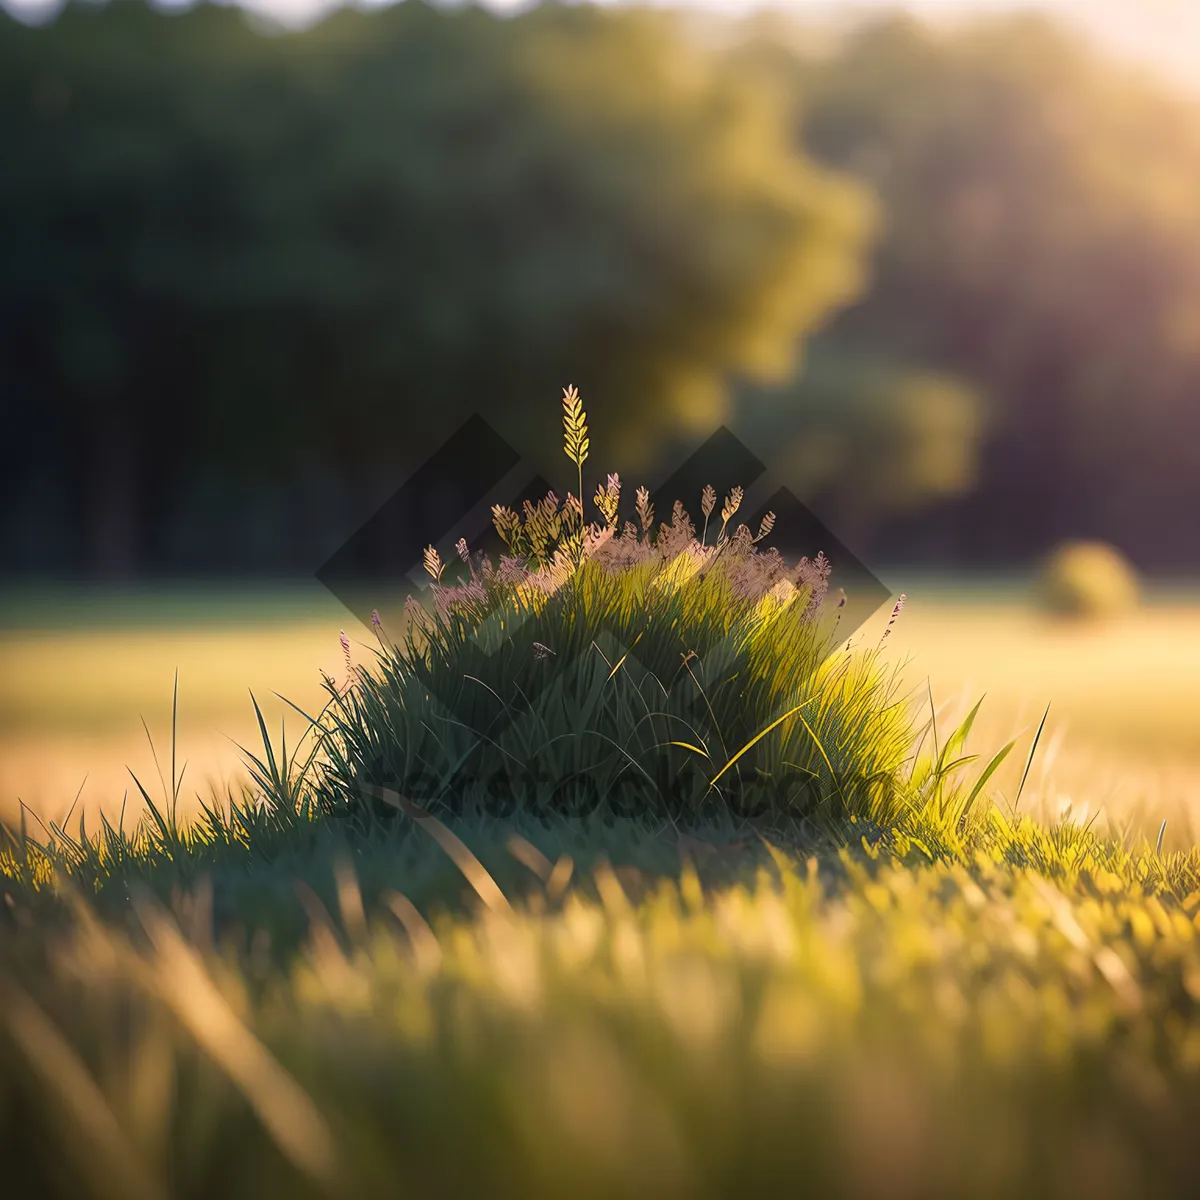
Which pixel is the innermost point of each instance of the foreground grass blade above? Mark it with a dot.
(76, 1091)
(1032, 751)
(474, 871)
(958, 738)
(758, 737)
(284, 1108)
(164, 827)
(988, 772)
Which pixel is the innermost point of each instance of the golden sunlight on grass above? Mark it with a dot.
(76, 697)
(1123, 731)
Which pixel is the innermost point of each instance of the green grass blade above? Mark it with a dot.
(958, 738)
(1032, 751)
(758, 737)
(988, 772)
(164, 829)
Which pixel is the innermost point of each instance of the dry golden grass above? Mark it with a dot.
(1123, 733)
(76, 695)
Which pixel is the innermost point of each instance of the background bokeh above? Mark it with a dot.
(939, 264)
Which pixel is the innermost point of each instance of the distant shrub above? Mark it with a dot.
(1089, 580)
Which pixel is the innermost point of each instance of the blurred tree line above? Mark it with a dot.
(1042, 248)
(953, 282)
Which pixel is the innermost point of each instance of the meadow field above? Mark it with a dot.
(82, 669)
(983, 981)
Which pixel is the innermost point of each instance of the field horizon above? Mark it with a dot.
(1121, 735)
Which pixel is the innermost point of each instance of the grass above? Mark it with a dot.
(960, 1002)
(292, 992)
(1129, 684)
(286, 1005)
(77, 692)
(1122, 744)
(1121, 732)
(672, 688)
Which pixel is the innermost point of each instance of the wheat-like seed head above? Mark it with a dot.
(708, 500)
(507, 523)
(645, 510)
(607, 500)
(813, 574)
(543, 523)
(575, 432)
(433, 563)
(732, 503)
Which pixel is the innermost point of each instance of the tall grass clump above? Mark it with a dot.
(635, 669)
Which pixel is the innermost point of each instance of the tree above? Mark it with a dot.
(867, 440)
(257, 256)
(1041, 241)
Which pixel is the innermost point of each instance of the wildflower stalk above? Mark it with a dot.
(732, 503)
(575, 446)
(708, 500)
